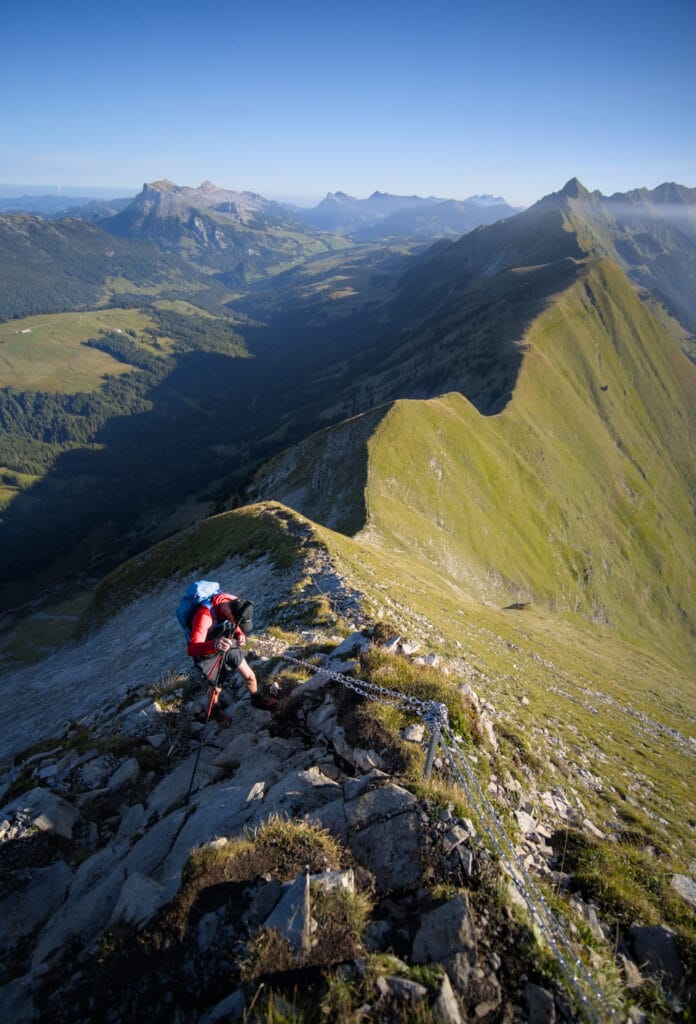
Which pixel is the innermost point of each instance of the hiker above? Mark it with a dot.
(215, 643)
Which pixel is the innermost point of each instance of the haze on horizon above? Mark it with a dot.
(293, 101)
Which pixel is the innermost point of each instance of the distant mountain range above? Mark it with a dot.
(380, 216)
(53, 206)
(383, 215)
(652, 240)
(242, 236)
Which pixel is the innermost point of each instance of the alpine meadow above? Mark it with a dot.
(447, 449)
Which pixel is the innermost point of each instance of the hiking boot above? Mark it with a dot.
(263, 703)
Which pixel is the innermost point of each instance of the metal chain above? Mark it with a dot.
(577, 977)
(430, 711)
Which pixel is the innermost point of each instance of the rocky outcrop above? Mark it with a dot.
(102, 848)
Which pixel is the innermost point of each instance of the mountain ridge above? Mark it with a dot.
(634, 352)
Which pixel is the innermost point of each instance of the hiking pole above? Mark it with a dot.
(211, 704)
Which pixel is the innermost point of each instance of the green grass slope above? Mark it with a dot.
(577, 496)
(52, 267)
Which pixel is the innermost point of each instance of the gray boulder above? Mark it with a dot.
(541, 1008)
(133, 821)
(378, 804)
(350, 647)
(447, 930)
(446, 1007)
(300, 792)
(334, 880)
(292, 916)
(686, 888)
(173, 787)
(656, 952)
(401, 989)
(95, 772)
(525, 822)
(89, 905)
(42, 809)
(140, 900)
(332, 817)
(125, 775)
(150, 852)
(384, 835)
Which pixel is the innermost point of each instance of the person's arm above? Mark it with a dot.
(198, 646)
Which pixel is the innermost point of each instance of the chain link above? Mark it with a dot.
(578, 980)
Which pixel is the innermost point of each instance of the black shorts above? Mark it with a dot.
(208, 666)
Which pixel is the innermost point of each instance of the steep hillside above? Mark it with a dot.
(656, 241)
(578, 495)
(51, 267)
(99, 449)
(240, 235)
(651, 237)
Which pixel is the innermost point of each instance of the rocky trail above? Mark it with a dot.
(122, 900)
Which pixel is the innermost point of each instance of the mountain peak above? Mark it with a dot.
(334, 199)
(162, 185)
(573, 189)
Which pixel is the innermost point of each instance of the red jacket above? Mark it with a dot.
(203, 621)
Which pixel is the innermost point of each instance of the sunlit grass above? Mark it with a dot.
(53, 357)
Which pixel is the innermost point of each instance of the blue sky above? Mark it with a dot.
(300, 98)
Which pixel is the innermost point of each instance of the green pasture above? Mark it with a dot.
(120, 285)
(52, 355)
(13, 483)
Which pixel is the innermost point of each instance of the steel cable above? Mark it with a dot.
(578, 979)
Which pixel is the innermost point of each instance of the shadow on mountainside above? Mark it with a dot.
(97, 505)
(214, 420)
(474, 341)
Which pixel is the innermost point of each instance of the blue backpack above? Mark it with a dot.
(199, 593)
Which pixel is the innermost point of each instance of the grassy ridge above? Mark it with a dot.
(578, 494)
(251, 532)
(606, 720)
